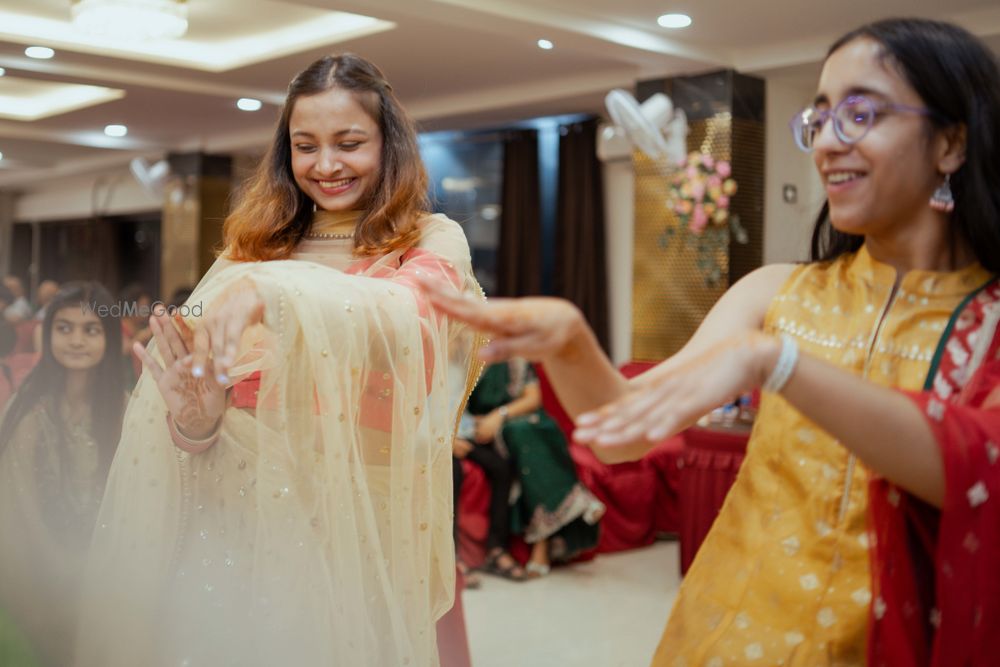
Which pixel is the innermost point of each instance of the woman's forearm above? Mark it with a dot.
(882, 426)
(582, 375)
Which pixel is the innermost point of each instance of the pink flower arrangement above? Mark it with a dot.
(700, 192)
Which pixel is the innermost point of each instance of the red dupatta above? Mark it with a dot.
(936, 573)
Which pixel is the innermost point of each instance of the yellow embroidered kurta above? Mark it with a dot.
(783, 576)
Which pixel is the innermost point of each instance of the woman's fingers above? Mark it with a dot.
(242, 311)
(184, 331)
(664, 427)
(178, 350)
(227, 345)
(162, 344)
(525, 345)
(451, 302)
(218, 339)
(148, 361)
(633, 417)
(202, 348)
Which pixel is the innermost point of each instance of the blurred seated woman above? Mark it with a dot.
(556, 515)
(57, 439)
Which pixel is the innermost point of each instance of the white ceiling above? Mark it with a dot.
(454, 63)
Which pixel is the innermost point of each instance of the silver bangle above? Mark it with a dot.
(788, 359)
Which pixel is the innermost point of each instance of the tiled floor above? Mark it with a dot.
(605, 613)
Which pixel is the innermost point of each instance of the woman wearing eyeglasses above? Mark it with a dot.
(876, 440)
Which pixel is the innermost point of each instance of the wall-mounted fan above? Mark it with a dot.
(655, 127)
(152, 177)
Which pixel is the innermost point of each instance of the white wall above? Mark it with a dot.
(788, 227)
(619, 222)
(112, 192)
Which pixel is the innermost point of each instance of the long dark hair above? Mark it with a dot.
(46, 381)
(273, 214)
(958, 79)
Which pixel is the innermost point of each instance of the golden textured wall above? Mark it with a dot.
(748, 204)
(192, 228)
(670, 296)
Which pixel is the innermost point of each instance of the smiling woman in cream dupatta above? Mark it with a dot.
(282, 491)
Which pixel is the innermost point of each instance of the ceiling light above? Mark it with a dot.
(116, 130)
(40, 52)
(30, 99)
(275, 29)
(248, 104)
(674, 20)
(545, 44)
(131, 19)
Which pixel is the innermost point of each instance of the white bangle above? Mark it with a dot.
(190, 445)
(788, 358)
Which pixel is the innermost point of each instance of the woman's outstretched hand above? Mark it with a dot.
(195, 403)
(676, 395)
(219, 332)
(535, 328)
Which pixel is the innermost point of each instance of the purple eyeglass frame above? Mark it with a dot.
(795, 124)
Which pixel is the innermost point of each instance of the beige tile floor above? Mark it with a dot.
(608, 612)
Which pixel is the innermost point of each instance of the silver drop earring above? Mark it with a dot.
(942, 199)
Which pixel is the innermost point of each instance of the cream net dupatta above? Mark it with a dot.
(316, 531)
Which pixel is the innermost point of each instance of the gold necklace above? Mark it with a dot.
(321, 235)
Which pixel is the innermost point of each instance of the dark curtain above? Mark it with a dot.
(80, 251)
(580, 265)
(519, 252)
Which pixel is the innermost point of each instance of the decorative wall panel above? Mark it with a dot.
(677, 276)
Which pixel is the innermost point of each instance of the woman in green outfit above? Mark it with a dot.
(556, 514)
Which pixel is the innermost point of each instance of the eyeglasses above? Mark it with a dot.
(852, 118)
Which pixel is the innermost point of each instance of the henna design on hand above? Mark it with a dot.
(192, 417)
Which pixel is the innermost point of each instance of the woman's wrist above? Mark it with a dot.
(187, 442)
(198, 432)
(777, 359)
(578, 337)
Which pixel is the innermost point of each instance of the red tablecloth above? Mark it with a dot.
(711, 459)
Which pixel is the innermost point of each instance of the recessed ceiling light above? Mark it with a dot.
(116, 130)
(40, 52)
(545, 44)
(674, 20)
(248, 104)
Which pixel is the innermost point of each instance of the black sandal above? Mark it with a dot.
(513, 571)
(471, 579)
